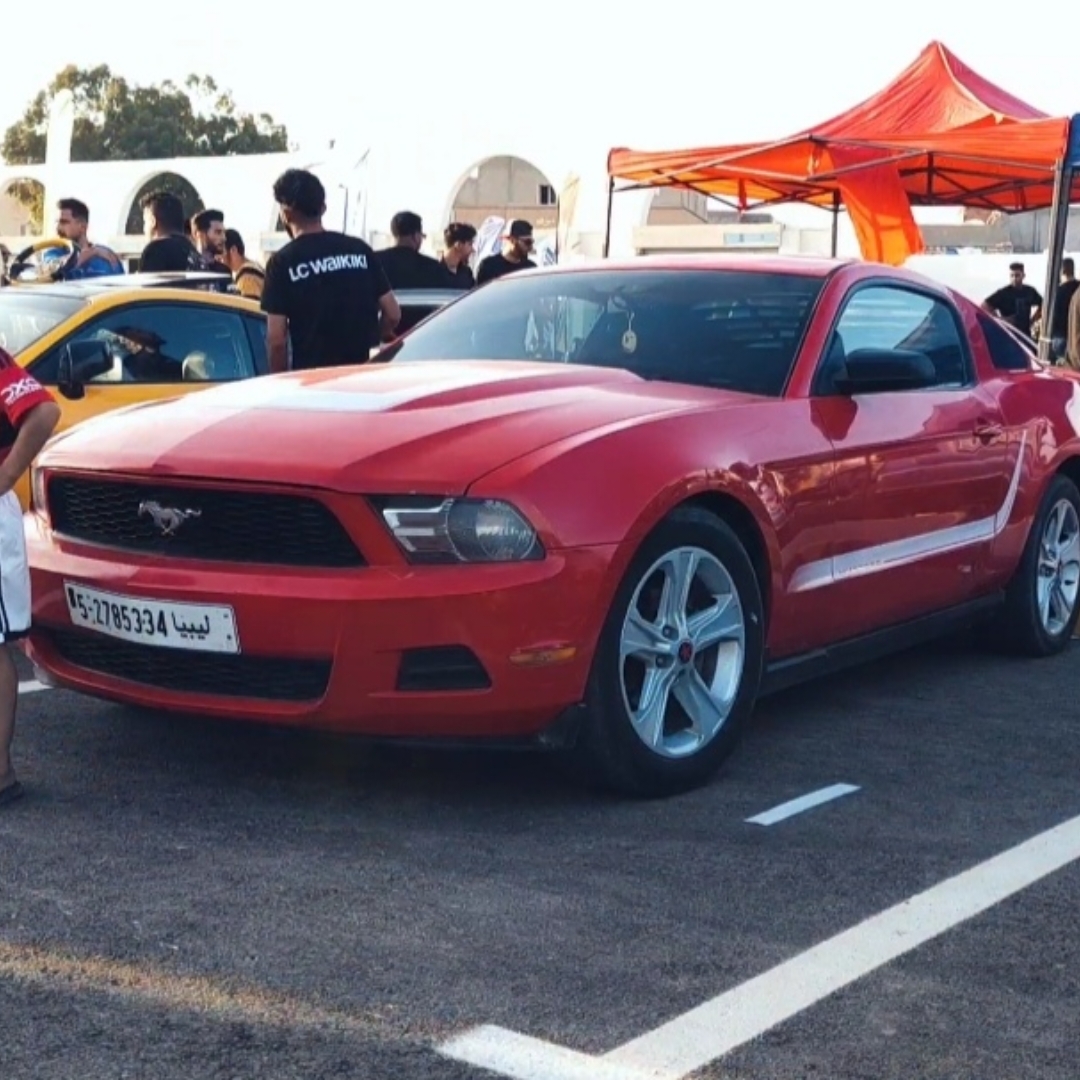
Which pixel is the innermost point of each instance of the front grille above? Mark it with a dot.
(230, 525)
(258, 677)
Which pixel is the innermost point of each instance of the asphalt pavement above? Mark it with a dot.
(183, 899)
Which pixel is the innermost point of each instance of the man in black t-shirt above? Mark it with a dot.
(169, 249)
(1059, 320)
(1016, 303)
(515, 256)
(405, 265)
(325, 293)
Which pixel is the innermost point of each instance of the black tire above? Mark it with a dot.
(608, 749)
(1018, 627)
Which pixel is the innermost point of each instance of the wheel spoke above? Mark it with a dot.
(651, 712)
(642, 639)
(705, 712)
(721, 622)
(679, 574)
(1043, 590)
(1069, 552)
(1060, 604)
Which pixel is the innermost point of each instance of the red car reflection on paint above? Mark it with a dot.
(599, 508)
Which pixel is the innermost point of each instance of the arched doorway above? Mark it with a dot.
(166, 181)
(508, 187)
(22, 208)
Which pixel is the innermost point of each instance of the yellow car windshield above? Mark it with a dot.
(27, 314)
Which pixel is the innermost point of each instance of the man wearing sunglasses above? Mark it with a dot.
(514, 256)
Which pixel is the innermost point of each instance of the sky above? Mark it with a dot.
(675, 75)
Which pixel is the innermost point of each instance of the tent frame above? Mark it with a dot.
(807, 189)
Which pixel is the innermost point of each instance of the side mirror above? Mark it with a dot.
(81, 361)
(876, 371)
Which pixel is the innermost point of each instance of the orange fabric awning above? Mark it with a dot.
(939, 132)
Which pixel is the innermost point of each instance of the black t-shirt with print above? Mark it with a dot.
(328, 285)
(494, 266)
(1015, 304)
(170, 254)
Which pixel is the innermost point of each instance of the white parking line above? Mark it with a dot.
(804, 802)
(525, 1058)
(32, 686)
(728, 1021)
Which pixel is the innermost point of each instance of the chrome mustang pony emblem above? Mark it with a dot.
(167, 518)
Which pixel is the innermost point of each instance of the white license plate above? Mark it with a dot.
(199, 627)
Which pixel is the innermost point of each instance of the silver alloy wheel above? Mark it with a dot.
(1058, 580)
(682, 651)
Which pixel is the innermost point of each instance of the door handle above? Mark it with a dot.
(987, 432)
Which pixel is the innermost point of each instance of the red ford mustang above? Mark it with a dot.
(602, 509)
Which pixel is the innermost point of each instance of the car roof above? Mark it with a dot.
(802, 265)
(89, 288)
(428, 296)
(95, 286)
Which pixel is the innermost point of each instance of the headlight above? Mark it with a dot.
(459, 530)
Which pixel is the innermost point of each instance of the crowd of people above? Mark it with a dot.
(1021, 305)
(329, 296)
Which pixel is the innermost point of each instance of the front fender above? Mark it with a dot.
(613, 488)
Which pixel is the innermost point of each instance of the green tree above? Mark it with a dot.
(118, 121)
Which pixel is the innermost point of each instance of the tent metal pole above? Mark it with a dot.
(835, 244)
(607, 217)
(1059, 224)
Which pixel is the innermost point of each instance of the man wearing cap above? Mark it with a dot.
(515, 255)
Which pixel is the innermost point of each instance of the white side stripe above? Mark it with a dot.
(888, 556)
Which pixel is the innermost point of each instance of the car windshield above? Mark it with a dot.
(732, 330)
(27, 315)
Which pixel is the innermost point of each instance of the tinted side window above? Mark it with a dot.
(256, 331)
(1006, 352)
(165, 343)
(888, 317)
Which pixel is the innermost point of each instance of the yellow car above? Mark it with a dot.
(106, 342)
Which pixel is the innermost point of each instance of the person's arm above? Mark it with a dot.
(273, 303)
(483, 271)
(389, 315)
(34, 414)
(1036, 311)
(389, 308)
(1072, 337)
(992, 304)
(95, 252)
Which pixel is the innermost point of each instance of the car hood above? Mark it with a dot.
(420, 426)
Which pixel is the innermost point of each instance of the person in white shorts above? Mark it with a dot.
(28, 416)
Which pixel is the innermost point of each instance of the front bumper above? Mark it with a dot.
(454, 652)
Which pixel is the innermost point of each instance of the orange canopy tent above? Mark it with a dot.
(938, 135)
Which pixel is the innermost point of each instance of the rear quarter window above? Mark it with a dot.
(1006, 352)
